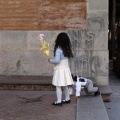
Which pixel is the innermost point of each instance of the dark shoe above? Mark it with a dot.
(97, 93)
(57, 104)
(66, 101)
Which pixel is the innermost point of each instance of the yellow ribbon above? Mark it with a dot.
(45, 46)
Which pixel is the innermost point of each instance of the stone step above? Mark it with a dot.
(15, 79)
(26, 83)
(91, 107)
(27, 87)
(105, 91)
(14, 82)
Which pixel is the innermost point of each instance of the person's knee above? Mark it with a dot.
(90, 91)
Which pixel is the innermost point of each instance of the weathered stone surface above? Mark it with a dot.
(88, 60)
(97, 20)
(105, 91)
(14, 40)
(101, 63)
(0, 40)
(34, 43)
(10, 62)
(89, 39)
(19, 50)
(24, 63)
(28, 87)
(100, 40)
(95, 108)
(36, 63)
(98, 5)
(90, 63)
(28, 40)
(102, 80)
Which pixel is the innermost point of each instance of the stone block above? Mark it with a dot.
(82, 39)
(24, 63)
(97, 5)
(89, 63)
(106, 97)
(102, 80)
(94, 108)
(14, 40)
(10, 61)
(97, 20)
(100, 40)
(35, 63)
(0, 39)
(34, 43)
(100, 63)
(105, 92)
(29, 87)
(89, 39)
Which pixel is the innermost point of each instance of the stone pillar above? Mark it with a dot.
(97, 24)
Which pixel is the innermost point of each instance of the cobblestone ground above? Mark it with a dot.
(34, 105)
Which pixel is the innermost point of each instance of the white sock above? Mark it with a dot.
(66, 92)
(59, 94)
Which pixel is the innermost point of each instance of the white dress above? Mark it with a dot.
(62, 74)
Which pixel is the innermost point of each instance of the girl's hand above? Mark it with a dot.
(48, 59)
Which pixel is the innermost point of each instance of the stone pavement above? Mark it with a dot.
(34, 105)
(90, 107)
(113, 107)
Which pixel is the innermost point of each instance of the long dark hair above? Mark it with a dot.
(64, 43)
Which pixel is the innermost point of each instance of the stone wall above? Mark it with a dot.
(19, 49)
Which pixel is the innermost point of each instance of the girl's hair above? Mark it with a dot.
(64, 43)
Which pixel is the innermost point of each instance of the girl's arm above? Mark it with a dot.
(83, 84)
(56, 59)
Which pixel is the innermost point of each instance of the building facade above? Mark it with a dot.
(85, 21)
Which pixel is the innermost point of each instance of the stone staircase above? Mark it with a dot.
(91, 107)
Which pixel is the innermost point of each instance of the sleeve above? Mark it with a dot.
(83, 83)
(56, 59)
(78, 88)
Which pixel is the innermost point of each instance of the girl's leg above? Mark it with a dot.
(70, 90)
(59, 94)
(66, 92)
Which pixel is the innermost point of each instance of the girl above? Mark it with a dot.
(62, 75)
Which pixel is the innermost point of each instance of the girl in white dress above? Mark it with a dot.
(62, 74)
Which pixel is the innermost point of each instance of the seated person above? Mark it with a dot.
(83, 83)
